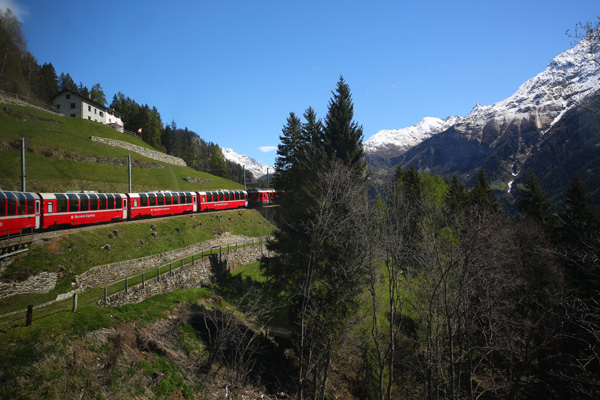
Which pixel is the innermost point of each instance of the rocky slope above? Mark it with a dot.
(499, 137)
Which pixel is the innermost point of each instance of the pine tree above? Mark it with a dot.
(48, 83)
(318, 258)
(97, 94)
(218, 165)
(456, 198)
(482, 197)
(533, 200)
(342, 135)
(287, 150)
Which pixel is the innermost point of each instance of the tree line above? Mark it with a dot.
(20, 73)
(439, 291)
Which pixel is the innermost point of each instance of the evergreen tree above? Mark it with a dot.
(218, 165)
(342, 135)
(411, 184)
(318, 258)
(579, 221)
(97, 94)
(312, 129)
(83, 91)
(533, 200)
(287, 153)
(65, 82)
(456, 198)
(482, 198)
(48, 83)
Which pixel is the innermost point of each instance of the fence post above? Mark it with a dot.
(126, 286)
(143, 280)
(182, 262)
(158, 274)
(75, 302)
(105, 295)
(29, 315)
(192, 261)
(171, 269)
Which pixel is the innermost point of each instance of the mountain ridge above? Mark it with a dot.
(500, 137)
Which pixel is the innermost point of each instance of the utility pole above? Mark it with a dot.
(244, 172)
(129, 168)
(23, 187)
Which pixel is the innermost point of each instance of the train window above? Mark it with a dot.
(50, 207)
(118, 202)
(175, 198)
(188, 198)
(110, 202)
(160, 199)
(143, 200)
(221, 196)
(151, 199)
(209, 197)
(73, 202)
(84, 202)
(102, 202)
(21, 204)
(135, 202)
(2, 204)
(93, 202)
(61, 203)
(11, 204)
(168, 199)
(30, 203)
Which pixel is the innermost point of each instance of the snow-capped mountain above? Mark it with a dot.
(403, 139)
(258, 170)
(501, 137)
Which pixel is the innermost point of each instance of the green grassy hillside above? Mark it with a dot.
(57, 147)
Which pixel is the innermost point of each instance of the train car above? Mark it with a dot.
(154, 204)
(261, 197)
(82, 208)
(222, 200)
(19, 211)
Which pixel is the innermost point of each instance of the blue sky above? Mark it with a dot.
(232, 71)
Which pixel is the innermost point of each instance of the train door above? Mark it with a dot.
(37, 214)
(124, 208)
(194, 203)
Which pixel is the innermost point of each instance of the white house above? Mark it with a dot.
(74, 105)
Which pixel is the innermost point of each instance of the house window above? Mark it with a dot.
(72, 105)
(58, 106)
(73, 115)
(68, 96)
(95, 111)
(89, 108)
(101, 114)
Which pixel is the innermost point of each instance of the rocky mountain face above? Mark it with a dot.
(503, 138)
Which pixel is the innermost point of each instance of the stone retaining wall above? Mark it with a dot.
(40, 283)
(104, 274)
(155, 155)
(190, 276)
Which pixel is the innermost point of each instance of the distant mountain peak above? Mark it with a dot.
(566, 81)
(404, 139)
(257, 169)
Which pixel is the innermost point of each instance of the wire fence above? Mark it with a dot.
(12, 98)
(100, 295)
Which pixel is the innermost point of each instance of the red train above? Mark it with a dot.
(39, 211)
